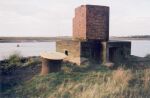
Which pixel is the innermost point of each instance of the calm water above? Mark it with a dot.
(139, 48)
(26, 48)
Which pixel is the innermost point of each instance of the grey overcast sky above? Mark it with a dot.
(54, 17)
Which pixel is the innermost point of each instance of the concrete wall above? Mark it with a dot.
(71, 46)
(95, 51)
(119, 51)
(92, 50)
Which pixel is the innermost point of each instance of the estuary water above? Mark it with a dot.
(139, 48)
(25, 48)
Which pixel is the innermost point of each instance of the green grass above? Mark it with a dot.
(15, 60)
(81, 83)
(15, 69)
(93, 81)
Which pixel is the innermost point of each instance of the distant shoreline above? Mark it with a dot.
(135, 37)
(129, 38)
(53, 39)
(30, 39)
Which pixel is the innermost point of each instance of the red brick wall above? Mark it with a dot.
(79, 23)
(91, 22)
(97, 22)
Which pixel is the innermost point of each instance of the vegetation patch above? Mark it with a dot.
(93, 81)
(16, 69)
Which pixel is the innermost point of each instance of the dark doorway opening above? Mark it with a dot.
(112, 51)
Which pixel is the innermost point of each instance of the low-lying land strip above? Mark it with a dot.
(144, 37)
(45, 39)
(30, 39)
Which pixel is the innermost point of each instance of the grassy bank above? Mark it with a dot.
(16, 69)
(93, 81)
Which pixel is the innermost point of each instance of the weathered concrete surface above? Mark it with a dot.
(92, 50)
(119, 50)
(104, 52)
(95, 51)
(70, 46)
(51, 62)
(49, 66)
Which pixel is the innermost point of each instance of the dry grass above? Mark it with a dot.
(146, 79)
(122, 76)
(88, 82)
(103, 87)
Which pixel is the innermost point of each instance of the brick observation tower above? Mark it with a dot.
(91, 23)
(91, 37)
